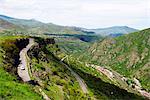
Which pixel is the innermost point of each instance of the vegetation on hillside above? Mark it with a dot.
(129, 55)
(10, 86)
(54, 78)
(99, 85)
(125, 54)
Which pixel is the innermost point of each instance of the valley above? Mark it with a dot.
(128, 55)
(52, 62)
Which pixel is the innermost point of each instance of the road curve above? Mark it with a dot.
(78, 78)
(23, 68)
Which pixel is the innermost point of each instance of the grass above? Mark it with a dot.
(10, 87)
(100, 85)
(72, 46)
(128, 55)
(55, 92)
(55, 79)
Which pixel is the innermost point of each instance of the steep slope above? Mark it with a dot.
(56, 79)
(113, 30)
(10, 86)
(50, 73)
(45, 70)
(97, 83)
(129, 55)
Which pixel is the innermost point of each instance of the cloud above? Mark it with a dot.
(85, 13)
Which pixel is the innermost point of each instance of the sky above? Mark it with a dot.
(81, 13)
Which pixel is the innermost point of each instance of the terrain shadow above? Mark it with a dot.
(101, 88)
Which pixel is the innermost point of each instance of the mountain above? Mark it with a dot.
(50, 75)
(5, 17)
(14, 26)
(36, 27)
(113, 30)
(60, 67)
(22, 22)
(5, 25)
(129, 55)
(8, 28)
(115, 35)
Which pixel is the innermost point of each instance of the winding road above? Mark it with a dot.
(23, 71)
(78, 78)
(23, 66)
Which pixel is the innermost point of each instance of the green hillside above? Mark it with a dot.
(10, 86)
(47, 71)
(50, 74)
(55, 79)
(72, 63)
(100, 86)
(129, 55)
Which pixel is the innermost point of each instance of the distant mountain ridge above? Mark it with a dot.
(7, 25)
(5, 17)
(113, 30)
(38, 27)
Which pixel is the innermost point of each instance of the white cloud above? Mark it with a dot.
(85, 13)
